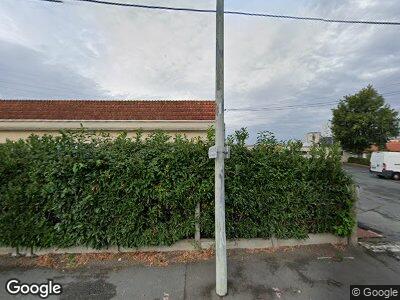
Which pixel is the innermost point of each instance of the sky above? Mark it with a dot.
(81, 50)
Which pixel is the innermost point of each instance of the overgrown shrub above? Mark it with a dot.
(359, 160)
(83, 189)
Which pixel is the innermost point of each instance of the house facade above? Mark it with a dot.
(21, 118)
(314, 138)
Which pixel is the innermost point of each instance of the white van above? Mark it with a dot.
(386, 164)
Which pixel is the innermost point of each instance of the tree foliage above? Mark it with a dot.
(363, 119)
(79, 189)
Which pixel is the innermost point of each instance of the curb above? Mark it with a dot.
(190, 245)
(354, 164)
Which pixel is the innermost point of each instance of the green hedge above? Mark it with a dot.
(359, 160)
(82, 189)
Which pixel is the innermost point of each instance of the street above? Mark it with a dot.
(379, 202)
(309, 272)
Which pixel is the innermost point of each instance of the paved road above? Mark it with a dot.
(319, 272)
(379, 203)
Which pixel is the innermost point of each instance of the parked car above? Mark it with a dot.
(386, 164)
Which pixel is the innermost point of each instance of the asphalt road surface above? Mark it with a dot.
(379, 202)
(308, 272)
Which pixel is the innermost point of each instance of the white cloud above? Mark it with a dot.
(144, 54)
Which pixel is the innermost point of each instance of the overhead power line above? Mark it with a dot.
(23, 77)
(298, 106)
(198, 10)
(44, 88)
(44, 93)
(39, 86)
(36, 78)
(283, 106)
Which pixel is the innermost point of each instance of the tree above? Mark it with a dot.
(363, 119)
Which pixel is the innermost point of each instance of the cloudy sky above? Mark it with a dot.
(81, 50)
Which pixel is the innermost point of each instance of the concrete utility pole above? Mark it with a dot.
(220, 237)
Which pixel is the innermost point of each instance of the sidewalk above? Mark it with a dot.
(308, 272)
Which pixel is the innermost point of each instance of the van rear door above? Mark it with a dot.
(376, 164)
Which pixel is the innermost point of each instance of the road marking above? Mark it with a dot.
(380, 247)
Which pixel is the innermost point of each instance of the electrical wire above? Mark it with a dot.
(198, 10)
(29, 88)
(282, 107)
(71, 94)
(24, 77)
(45, 87)
(298, 106)
(35, 78)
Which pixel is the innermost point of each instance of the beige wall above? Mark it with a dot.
(14, 130)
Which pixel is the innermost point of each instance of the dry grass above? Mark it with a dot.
(73, 261)
(155, 259)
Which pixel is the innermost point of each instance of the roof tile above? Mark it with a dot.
(107, 110)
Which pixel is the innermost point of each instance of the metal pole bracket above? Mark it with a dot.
(213, 152)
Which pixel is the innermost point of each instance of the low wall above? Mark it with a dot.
(190, 245)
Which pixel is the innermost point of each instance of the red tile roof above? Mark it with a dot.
(106, 110)
(393, 146)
